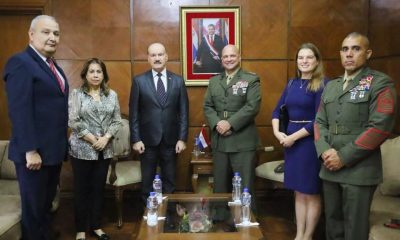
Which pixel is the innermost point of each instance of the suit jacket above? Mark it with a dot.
(150, 121)
(238, 103)
(37, 107)
(355, 122)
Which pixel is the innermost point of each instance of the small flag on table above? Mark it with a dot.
(203, 140)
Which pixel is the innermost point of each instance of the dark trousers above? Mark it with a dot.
(225, 164)
(37, 189)
(89, 181)
(347, 210)
(165, 156)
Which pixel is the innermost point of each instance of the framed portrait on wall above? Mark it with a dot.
(204, 32)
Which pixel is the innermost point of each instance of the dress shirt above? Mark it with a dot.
(348, 78)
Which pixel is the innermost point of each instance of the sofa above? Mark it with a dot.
(386, 201)
(10, 204)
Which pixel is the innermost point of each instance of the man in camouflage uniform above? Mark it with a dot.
(231, 104)
(355, 117)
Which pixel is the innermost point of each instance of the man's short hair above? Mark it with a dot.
(211, 25)
(357, 34)
(40, 17)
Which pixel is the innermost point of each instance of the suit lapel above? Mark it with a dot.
(47, 69)
(151, 86)
(170, 83)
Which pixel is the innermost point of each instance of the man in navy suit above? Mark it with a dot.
(37, 93)
(158, 114)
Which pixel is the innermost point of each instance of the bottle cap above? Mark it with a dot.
(157, 176)
(237, 174)
(246, 190)
(152, 194)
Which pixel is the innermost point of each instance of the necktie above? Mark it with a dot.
(161, 94)
(53, 69)
(228, 80)
(345, 83)
(211, 40)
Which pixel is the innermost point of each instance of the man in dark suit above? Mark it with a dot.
(209, 52)
(37, 92)
(158, 113)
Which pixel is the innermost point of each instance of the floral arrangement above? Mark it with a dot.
(196, 220)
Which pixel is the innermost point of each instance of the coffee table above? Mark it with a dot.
(223, 227)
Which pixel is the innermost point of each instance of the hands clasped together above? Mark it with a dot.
(98, 143)
(224, 128)
(140, 148)
(332, 160)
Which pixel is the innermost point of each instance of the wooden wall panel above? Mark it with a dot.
(98, 28)
(264, 29)
(384, 27)
(273, 79)
(16, 40)
(326, 23)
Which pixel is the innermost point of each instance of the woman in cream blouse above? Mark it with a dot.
(94, 117)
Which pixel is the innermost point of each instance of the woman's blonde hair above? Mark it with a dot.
(317, 79)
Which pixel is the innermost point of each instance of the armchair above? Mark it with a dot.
(123, 174)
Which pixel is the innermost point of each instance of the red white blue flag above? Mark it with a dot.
(203, 140)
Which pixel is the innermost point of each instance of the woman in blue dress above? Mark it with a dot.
(302, 96)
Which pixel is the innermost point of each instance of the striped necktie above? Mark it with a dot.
(161, 94)
(53, 69)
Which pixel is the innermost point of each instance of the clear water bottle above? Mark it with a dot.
(246, 201)
(152, 205)
(236, 187)
(196, 147)
(157, 187)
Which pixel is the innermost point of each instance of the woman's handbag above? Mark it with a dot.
(283, 118)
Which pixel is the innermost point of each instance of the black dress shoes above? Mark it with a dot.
(102, 236)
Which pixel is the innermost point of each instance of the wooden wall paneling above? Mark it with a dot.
(120, 81)
(157, 21)
(15, 40)
(273, 79)
(72, 70)
(264, 29)
(111, 37)
(390, 66)
(325, 23)
(384, 27)
(94, 29)
(74, 17)
(196, 102)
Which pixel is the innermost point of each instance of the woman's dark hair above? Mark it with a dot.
(103, 86)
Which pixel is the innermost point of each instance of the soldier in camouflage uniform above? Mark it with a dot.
(355, 117)
(231, 104)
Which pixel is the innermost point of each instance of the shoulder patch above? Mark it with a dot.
(385, 102)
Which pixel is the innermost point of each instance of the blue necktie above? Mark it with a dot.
(161, 94)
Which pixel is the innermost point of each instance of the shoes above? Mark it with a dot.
(393, 223)
(102, 236)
